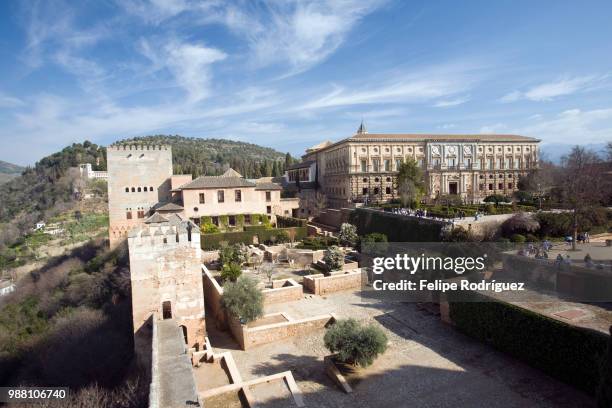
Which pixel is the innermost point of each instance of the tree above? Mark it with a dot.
(410, 182)
(243, 299)
(355, 344)
(230, 272)
(348, 234)
(496, 199)
(235, 253)
(334, 258)
(537, 183)
(520, 223)
(581, 185)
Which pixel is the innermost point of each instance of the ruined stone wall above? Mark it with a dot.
(167, 269)
(138, 178)
(212, 295)
(283, 290)
(337, 281)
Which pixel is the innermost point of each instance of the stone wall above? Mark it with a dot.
(320, 284)
(212, 295)
(283, 290)
(304, 256)
(249, 337)
(333, 217)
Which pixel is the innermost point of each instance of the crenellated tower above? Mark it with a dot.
(138, 178)
(166, 277)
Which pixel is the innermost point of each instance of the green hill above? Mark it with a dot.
(212, 156)
(46, 189)
(9, 171)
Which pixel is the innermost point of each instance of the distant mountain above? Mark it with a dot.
(213, 156)
(555, 151)
(9, 171)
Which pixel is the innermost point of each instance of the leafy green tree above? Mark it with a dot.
(355, 344)
(243, 299)
(231, 271)
(348, 234)
(334, 258)
(410, 183)
(235, 253)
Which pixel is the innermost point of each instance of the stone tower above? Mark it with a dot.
(138, 178)
(166, 278)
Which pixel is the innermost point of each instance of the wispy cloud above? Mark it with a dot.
(7, 101)
(561, 87)
(451, 102)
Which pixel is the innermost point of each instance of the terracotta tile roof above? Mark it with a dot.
(442, 137)
(216, 182)
(268, 186)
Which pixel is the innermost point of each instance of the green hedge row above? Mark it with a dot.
(285, 222)
(572, 354)
(212, 241)
(397, 228)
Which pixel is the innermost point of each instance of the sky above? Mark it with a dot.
(289, 74)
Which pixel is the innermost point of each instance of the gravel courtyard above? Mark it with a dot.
(427, 363)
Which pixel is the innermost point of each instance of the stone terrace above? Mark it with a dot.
(427, 364)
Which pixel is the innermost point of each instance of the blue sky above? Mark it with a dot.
(289, 74)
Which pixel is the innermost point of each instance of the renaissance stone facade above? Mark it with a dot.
(363, 167)
(166, 277)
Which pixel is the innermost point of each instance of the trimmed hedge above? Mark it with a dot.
(397, 228)
(285, 222)
(210, 242)
(572, 354)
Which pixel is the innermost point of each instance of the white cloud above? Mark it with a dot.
(495, 128)
(551, 90)
(451, 102)
(7, 101)
(190, 64)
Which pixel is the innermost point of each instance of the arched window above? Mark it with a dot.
(133, 190)
(150, 188)
(139, 189)
(145, 189)
(127, 189)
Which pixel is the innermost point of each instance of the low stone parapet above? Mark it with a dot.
(320, 284)
(249, 337)
(283, 290)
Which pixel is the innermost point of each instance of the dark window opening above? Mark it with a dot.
(139, 189)
(167, 310)
(133, 190)
(220, 196)
(268, 196)
(128, 215)
(141, 214)
(238, 196)
(388, 190)
(202, 198)
(127, 189)
(269, 209)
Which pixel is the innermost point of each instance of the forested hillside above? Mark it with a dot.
(213, 156)
(46, 189)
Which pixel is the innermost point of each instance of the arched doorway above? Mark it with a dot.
(167, 310)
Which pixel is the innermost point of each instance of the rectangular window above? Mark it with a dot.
(510, 186)
(141, 214)
(481, 187)
(238, 196)
(490, 164)
(387, 165)
(268, 196)
(388, 190)
(364, 166)
(220, 196)
(364, 191)
(269, 209)
(202, 198)
(128, 215)
(490, 186)
(452, 162)
(500, 186)
(500, 163)
(376, 165)
(420, 162)
(398, 164)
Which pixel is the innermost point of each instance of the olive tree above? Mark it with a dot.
(243, 299)
(354, 343)
(334, 258)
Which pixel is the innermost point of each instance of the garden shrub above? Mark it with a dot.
(348, 234)
(213, 241)
(232, 253)
(518, 238)
(243, 299)
(284, 222)
(334, 258)
(230, 272)
(354, 343)
(569, 353)
(520, 223)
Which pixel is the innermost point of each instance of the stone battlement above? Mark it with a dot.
(137, 147)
